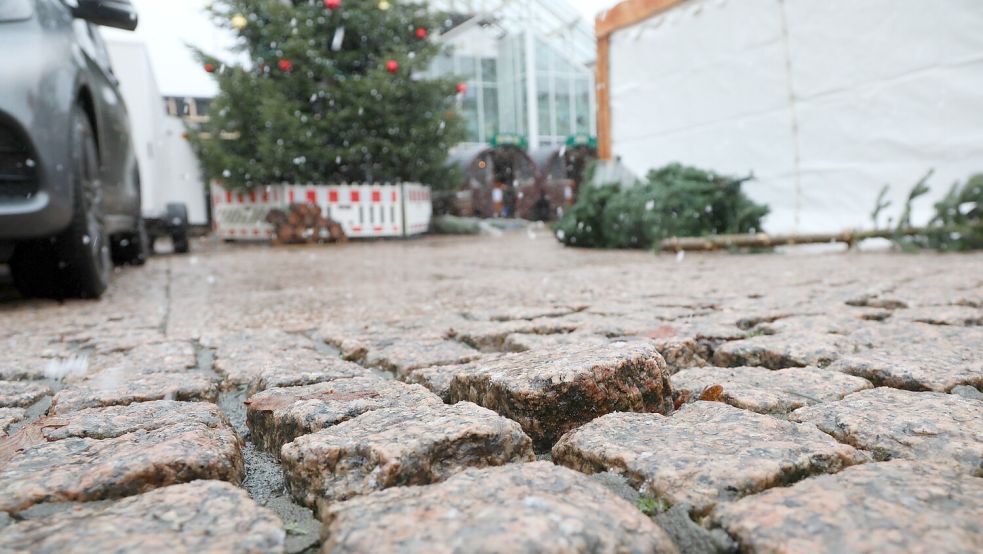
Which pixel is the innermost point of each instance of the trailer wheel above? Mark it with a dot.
(132, 248)
(177, 225)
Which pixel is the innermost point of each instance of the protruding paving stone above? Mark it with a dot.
(199, 517)
(320, 370)
(897, 506)
(278, 416)
(550, 392)
(8, 417)
(768, 391)
(116, 421)
(704, 454)
(893, 423)
(782, 350)
(917, 356)
(33, 470)
(21, 394)
(399, 446)
(518, 508)
(118, 388)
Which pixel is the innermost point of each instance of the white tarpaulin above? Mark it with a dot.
(825, 101)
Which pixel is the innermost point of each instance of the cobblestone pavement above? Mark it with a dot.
(498, 395)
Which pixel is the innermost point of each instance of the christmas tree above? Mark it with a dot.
(333, 93)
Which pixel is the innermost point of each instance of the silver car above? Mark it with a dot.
(69, 182)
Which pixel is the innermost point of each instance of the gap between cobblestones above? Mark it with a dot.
(37, 410)
(79, 354)
(693, 536)
(263, 480)
(166, 318)
(325, 348)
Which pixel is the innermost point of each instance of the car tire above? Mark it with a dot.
(77, 261)
(177, 223)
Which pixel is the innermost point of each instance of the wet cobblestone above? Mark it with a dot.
(204, 516)
(892, 423)
(521, 508)
(881, 507)
(397, 447)
(705, 454)
(768, 391)
(278, 416)
(818, 362)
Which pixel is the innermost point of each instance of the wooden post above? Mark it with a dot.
(625, 14)
(603, 100)
(764, 240)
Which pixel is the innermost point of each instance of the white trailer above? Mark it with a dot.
(171, 181)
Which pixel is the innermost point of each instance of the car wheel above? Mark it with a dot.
(76, 262)
(177, 223)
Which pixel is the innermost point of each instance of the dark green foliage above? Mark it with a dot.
(882, 204)
(958, 221)
(582, 224)
(920, 189)
(957, 224)
(674, 201)
(337, 115)
(652, 506)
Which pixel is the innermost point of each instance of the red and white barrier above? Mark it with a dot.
(241, 214)
(419, 208)
(369, 211)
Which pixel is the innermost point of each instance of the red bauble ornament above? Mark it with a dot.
(209, 68)
(421, 33)
(461, 88)
(392, 66)
(285, 66)
(332, 4)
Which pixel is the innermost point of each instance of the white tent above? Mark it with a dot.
(825, 101)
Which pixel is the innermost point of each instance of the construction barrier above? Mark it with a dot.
(364, 211)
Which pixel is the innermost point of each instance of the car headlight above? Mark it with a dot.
(15, 10)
